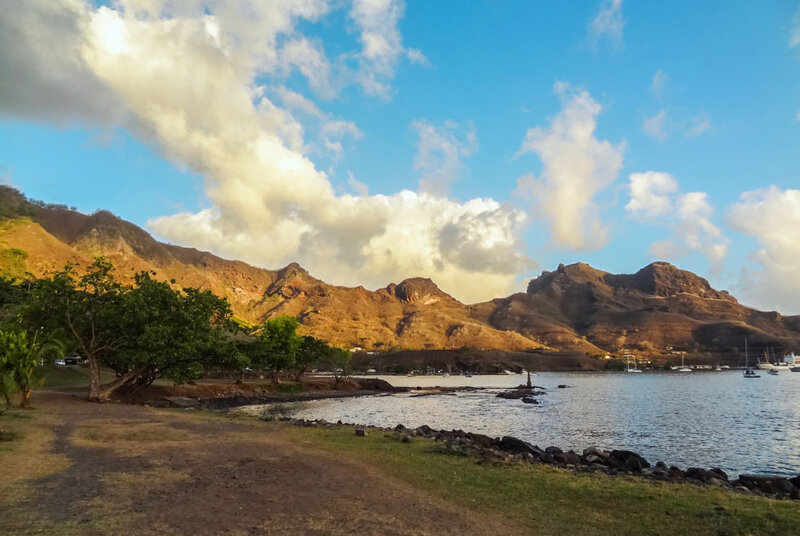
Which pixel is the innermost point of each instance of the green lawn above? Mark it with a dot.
(549, 500)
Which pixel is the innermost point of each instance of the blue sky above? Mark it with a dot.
(135, 106)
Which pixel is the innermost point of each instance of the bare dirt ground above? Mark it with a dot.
(139, 470)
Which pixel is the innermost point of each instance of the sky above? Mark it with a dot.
(476, 143)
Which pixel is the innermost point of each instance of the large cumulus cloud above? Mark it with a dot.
(202, 81)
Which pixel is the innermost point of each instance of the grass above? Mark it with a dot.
(548, 500)
(129, 438)
(26, 454)
(69, 377)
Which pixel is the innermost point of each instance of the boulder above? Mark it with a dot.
(529, 400)
(569, 458)
(424, 430)
(361, 431)
(593, 458)
(518, 446)
(481, 440)
(675, 473)
(628, 460)
(766, 484)
(597, 451)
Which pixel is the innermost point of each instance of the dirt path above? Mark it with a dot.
(137, 470)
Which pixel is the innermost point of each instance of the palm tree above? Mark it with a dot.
(19, 359)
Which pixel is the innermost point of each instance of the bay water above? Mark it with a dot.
(697, 419)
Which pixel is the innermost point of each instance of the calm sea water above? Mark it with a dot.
(698, 419)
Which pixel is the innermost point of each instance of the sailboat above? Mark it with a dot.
(628, 366)
(684, 368)
(748, 372)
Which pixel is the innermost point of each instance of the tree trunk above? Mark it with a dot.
(104, 391)
(94, 378)
(25, 397)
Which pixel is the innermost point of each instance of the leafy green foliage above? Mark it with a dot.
(278, 343)
(143, 332)
(173, 334)
(19, 359)
(90, 308)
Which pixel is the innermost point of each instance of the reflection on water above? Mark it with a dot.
(702, 419)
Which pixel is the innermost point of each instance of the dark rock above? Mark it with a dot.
(564, 386)
(597, 451)
(361, 431)
(481, 440)
(424, 430)
(766, 484)
(513, 395)
(696, 473)
(570, 458)
(661, 465)
(593, 458)
(628, 460)
(518, 446)
(529, 400)
(675, 473)
(553, 451)
(719, 473)
(399, 428)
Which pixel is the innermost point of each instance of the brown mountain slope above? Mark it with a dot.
(36, 239)
(581, 308)
(575, 308)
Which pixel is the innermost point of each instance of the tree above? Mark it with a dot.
(19, 359)
(311, 350)
(89, 307)
(340, 362)
(172, 334)
(278, 344)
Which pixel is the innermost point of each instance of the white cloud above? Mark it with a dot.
(655, 199)
(190, 78)
(699, 124)
(651, 194)
(655, 126)
(794, 35)
(440, 151)
(381, 43)
(576, 167)
(659, 84)
(358, 187)
(608, 22)
(331, 131)
(416, 56)
(772, 216)
(309, 58)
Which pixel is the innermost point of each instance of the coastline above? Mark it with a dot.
(108, 468)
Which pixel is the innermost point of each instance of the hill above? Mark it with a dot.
(575, 310)
(658, 308)
(37, 238)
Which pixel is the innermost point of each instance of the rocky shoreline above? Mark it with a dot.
(508, 449)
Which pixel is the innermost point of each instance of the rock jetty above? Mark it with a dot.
(508, 449)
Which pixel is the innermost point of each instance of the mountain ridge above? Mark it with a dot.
(573, 309)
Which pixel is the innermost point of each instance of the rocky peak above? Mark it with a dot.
(292, 270)
(420, 290)
(577, 273)
(664, 279)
